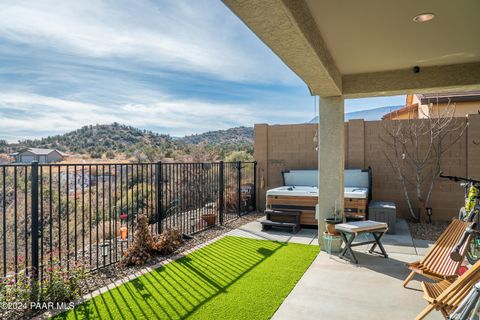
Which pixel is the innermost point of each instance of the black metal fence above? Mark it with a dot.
(66, 212)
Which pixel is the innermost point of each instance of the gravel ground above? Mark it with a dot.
(427, 231)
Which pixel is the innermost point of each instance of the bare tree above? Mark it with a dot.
(414, 149)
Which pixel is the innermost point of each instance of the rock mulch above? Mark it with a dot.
(427, 231)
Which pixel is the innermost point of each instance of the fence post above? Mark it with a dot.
(221, 193)
(34, 207)
(254, 195)
(159, 195)
(239, 187)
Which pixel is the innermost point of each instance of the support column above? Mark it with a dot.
(331, 158)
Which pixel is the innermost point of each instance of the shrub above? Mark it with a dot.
(62, 285)
(168, 241)
(58, 285)
(19, 290)
(95, 154)
(110, 154)
(145, 245)
(140, 252)
(240, 155)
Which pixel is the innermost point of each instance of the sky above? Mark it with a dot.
(176, 67)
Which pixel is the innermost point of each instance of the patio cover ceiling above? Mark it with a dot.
(369, 48)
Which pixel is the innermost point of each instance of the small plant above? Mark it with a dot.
(57, 285)
(17, 289)
(168, 241)
(336, 217)
(337, 213)
(140, 252)
(62, 285)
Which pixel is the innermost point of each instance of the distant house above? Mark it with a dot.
(407, 112)
(431, 105)
(36, 154)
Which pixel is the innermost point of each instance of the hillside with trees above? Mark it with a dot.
(117, 141)
(234, 144)
(229, 136)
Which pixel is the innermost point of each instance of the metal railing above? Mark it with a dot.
(68, 212)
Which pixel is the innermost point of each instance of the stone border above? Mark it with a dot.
(93, 294)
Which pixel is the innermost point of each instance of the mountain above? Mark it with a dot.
(114, 140)
(367, 115)
(114, 137)
(229, 136)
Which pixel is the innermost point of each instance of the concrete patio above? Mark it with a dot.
(335, 289)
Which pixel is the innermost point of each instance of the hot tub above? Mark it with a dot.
(300, 193)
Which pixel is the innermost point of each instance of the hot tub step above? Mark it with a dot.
(268, 224)
(282, 213)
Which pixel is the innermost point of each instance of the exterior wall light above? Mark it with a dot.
(423, 17)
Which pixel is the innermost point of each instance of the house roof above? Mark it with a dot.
(40, 151)
(411, 108)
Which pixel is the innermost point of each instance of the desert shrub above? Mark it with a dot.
(19, 290)
(142, 248)
(168, 241)
(145, 246)
(58, 285)
(62, 285)
(95, 154)
(110, 154)
(238, 155)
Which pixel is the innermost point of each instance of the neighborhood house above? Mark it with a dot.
(434, 105)
(36, 154)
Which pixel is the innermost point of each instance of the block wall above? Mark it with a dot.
(286, 147)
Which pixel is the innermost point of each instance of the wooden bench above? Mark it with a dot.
(283, 219)
(446, 296)
(437, 264)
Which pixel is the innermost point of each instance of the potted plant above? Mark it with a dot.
(335, 218)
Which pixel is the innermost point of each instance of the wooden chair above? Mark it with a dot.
(446, 296)
(437, 264)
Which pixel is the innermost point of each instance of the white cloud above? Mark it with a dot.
(194, 36)
(177, 67)
(40, 114)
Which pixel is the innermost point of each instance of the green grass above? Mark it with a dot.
(232, 278)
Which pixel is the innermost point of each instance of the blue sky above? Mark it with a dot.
(177, 67)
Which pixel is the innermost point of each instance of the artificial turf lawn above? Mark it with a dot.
(232, 278)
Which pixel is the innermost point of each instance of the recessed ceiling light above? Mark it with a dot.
(423, 17)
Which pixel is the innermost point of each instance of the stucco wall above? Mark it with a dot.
(461, 109)
(283, 147)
